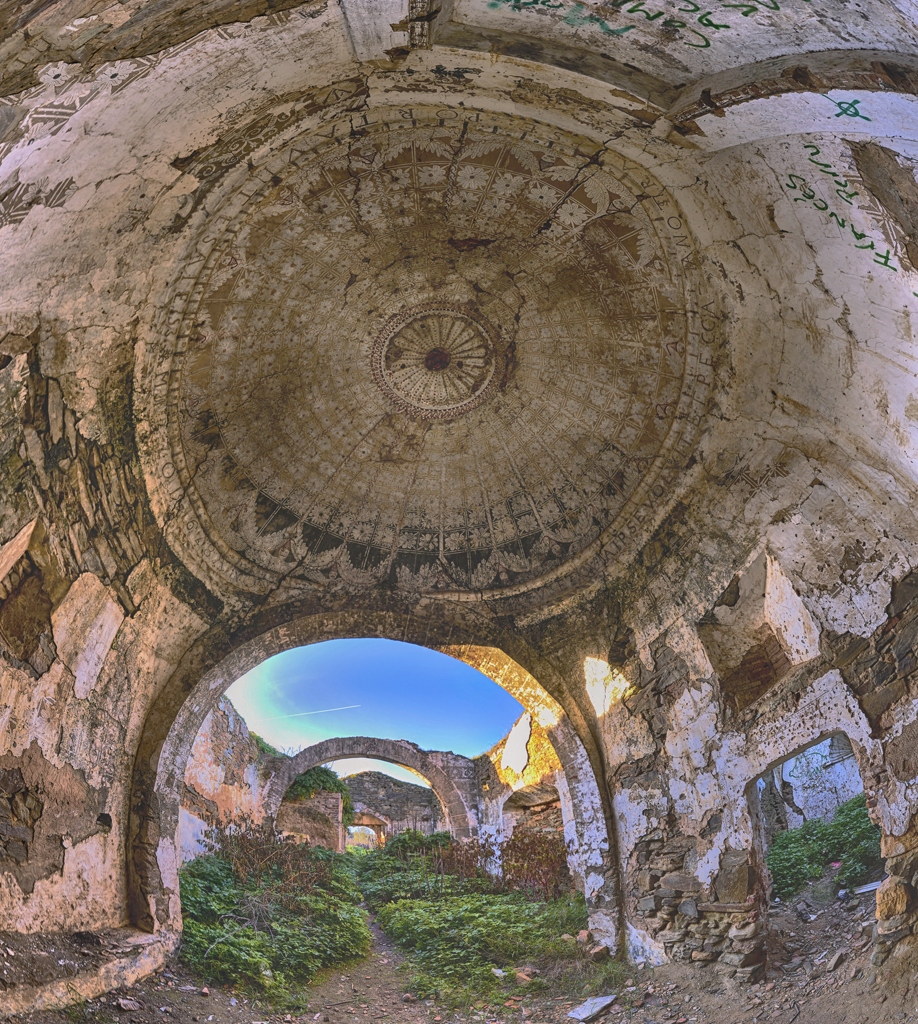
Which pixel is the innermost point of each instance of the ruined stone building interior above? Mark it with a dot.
(574, 340)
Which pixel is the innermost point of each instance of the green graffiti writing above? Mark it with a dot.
(581, 14)
(797, 183)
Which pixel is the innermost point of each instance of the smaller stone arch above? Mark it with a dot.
(452, 777)
(379, 824)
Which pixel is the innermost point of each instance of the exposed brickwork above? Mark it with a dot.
(316, 819)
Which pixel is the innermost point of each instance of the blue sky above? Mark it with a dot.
(402, 692)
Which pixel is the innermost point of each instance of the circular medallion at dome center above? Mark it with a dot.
(436, 361)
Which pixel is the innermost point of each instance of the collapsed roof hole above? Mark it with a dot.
(105, 820)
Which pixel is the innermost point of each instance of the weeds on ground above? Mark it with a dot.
(455, 943)
(444, 902)
(417, 866)
(801, 855)
(80, 1011)
(265, 912)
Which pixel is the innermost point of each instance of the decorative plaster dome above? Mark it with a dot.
(442, 357)
(576, 340)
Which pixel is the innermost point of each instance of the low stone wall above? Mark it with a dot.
(689, 920)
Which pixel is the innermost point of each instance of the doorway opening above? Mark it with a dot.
(821, 853)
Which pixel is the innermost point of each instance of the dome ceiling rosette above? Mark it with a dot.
(448, 358)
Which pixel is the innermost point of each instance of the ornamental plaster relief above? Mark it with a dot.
(453, 344)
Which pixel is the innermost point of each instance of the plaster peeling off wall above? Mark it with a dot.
(63, 752)
(224, 781)
(221, 778)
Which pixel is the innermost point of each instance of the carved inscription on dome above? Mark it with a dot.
(435, 357)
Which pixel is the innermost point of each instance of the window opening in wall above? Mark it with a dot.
(363, 838)
(821, 850)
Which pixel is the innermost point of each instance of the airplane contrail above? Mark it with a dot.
(300, 714)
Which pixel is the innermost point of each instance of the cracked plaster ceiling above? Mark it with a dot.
(444, 357)
(479, 300)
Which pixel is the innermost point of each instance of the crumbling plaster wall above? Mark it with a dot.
(222, 778)
(225, 781)
(523, 760)
(811, 785)
(692, 836)
(68, 735)
(807, 453)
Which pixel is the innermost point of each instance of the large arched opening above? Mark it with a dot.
(170, 730)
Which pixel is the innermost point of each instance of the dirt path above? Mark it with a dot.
(368, 990)
(799, 989)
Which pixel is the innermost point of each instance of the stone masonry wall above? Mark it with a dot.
(695, 880)
(401, 804)
(316, 819)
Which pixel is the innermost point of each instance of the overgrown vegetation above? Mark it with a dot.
(417, 866)
(438, 899)
(410, 866)
(266, 913)
(801, 855)
(264, 747)
(321, 777)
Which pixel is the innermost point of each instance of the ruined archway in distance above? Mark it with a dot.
(450, 776)
(171, 727)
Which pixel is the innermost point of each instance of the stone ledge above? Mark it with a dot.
(152, 953)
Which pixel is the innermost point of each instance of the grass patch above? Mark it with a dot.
(455, 942)
(437, 899)
(411, 866)
(801, 855)
(266, 914)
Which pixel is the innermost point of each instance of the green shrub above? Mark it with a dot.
(265, 912)
(264, 747)
(800, 855)
(417, 883)
(308, 783)
(859, 842)
(416, 866)
(413, 865)
(460, 933)
(411, 841)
